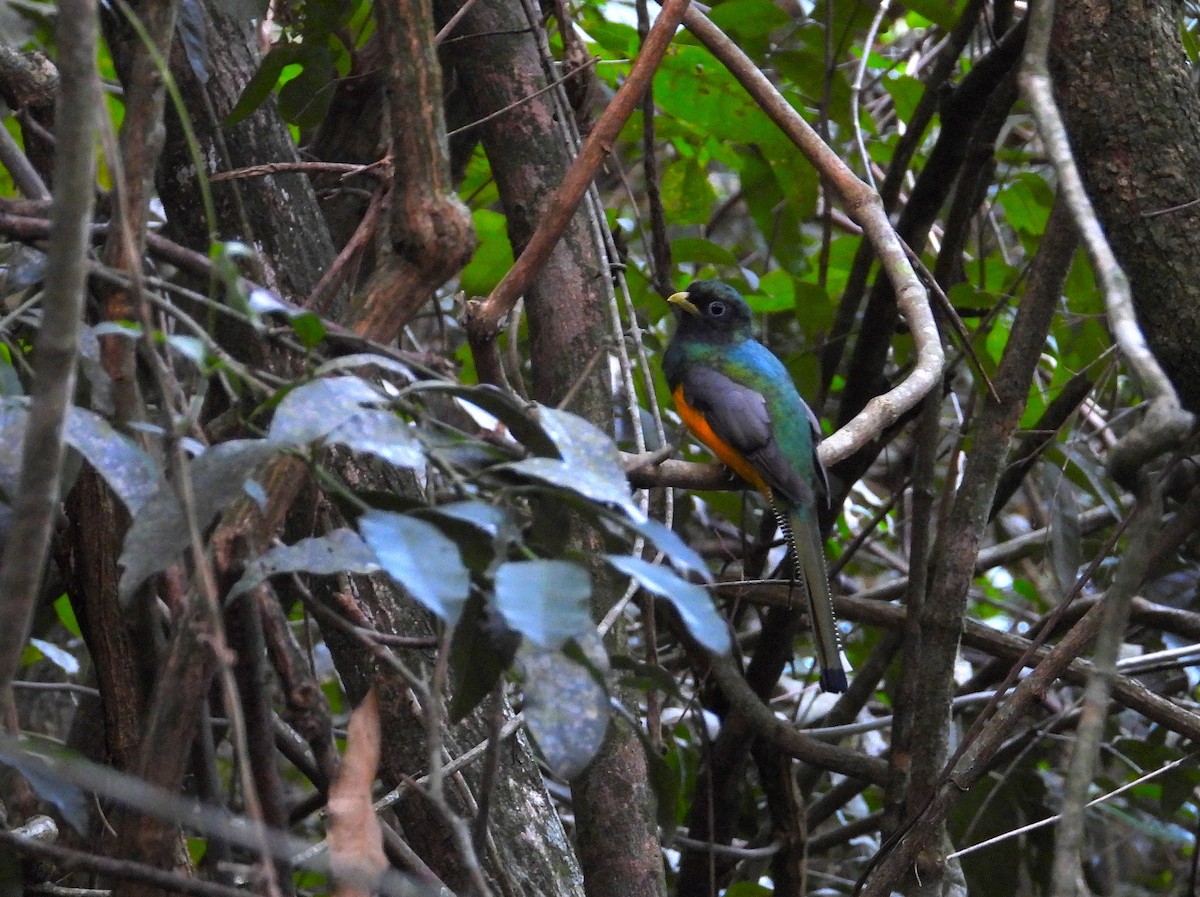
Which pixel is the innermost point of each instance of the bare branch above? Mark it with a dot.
(57, 345)
(483, 318)
(866, 208)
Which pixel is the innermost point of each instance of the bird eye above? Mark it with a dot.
(716, 309)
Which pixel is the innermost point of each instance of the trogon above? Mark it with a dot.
(738, 399)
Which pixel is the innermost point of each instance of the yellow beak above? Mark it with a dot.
(681, 299)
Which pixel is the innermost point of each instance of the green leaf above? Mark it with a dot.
(309, 328)
(342, 550)
(776, 292)
(493, 256)
(705, 252)
(545, 601)
(688, 197)
(906, 92)
(66, 615)
(943, 13)
(264, 81)
(1026, 203)
(565, 708)
(304, 99)
(747, 889)
(694, 604)
(749, 18)
(160, 529)
(419, 557)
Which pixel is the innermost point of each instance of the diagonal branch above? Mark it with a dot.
(483, 318)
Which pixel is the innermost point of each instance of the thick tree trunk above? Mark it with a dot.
(1122, 82)
(568, 325)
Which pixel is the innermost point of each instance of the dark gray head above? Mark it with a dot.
(712, 311)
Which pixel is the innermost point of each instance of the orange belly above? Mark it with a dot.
(727, 454)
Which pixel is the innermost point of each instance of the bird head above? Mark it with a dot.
(712, 310)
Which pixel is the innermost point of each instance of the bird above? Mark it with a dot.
(737, 398)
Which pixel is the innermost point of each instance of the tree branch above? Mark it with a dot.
(57, 345)
(866, 208)
(483, 318)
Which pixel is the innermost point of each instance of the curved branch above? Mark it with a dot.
(866, 208)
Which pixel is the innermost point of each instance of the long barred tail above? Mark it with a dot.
(808, 554)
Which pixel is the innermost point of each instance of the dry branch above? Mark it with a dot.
(44, 450)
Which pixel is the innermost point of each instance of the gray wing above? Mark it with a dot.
(738, 415)
(814, 426)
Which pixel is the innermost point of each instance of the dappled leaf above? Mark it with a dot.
(382, 434)
(565, 708)
(589, 463)
(501, 405)
(480, 530)
(129, 471)
(92, 368)
(342, 550)
(193, 37)
(160, 529)
(61, 658)
(419, 557)
(361, 360)
(694, 604)
(666, 540)
(12, 436)
(486, 518)
(312, 411)
(1065, 551)
(545, 601)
